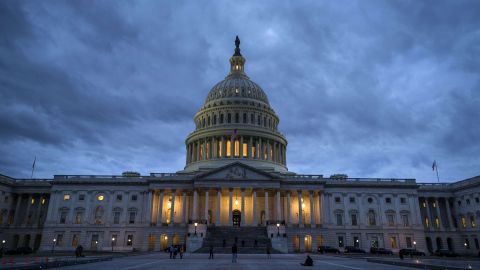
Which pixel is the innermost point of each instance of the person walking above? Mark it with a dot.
(170, 250)
(234, 253)
(269, 253)
(211, 252)
(181, 252)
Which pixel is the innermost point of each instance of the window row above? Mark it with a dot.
(372, 219)
(98, 215)
(388, 200)
(99, 197)
(237, 118)
(95, 240)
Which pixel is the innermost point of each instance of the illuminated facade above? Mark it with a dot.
(236, 177)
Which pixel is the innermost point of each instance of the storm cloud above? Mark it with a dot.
(365, 88)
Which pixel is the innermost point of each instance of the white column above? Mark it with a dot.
(289, 218)
(254, 213)
(195, 206)
(267, 216)
(449, 213)
(219, 200)
(17, 210)
(319, 203)
(300, 217)
(279, 207)
(242, 222)
(184, 207)
(148, 210)
(160, 209)
(172, 209)
(29, 203)
(437, 208)
(109, 208)
(39, 208)
(230, 208)
(312, 212)
(206, 206)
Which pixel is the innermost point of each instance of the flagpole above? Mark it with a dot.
(33, 167)
(436, 169)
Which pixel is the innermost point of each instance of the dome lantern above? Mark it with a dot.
(237, 61)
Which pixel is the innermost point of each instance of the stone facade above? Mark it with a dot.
(236, 175)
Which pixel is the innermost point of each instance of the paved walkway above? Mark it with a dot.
(223, 261)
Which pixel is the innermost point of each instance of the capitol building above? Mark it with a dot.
(236, 187)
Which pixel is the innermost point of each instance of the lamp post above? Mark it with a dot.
(196, 224)
(3, 247)
(278, 229)
(113, 241)
(53, 244)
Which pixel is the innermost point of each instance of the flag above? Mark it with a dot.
(434, 165)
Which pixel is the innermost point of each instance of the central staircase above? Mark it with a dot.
(244, 237)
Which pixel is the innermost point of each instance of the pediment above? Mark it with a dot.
(235, 171)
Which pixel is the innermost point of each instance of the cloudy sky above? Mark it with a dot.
(365, 88)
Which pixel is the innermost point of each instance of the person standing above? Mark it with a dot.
(211, 252)
(234, 253)
(181, 252)
(170, 250)
(269, 252)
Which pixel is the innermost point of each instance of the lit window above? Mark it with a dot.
(437, 222)
(33, 201)
(472, 221)
(100, 197)
(75, 239)
(424, 204)
(253, 151)
(245, 150)
(43, 201)
(130, 240)
(229, 147)
(464, 222)
(66, 197)
(393, 242)
(426, 222)
(78, 217)
(237, 148)
(220, 149)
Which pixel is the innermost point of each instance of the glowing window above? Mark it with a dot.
(201, 151)
(393, 242)
(43, 201)
(424, 205)
(426, 221)
(207, 156)
(33, 201)
(437, 222)
(229, 147)
(66, 197)
(464, 222)
(237, 148)
(100, 197)
(472, 221)
(220, 149)
(245, 150)
(253, 151)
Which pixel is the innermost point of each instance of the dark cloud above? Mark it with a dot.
(367, 88)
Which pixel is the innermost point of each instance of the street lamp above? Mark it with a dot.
(196, 224)
(3, 247)
(113, 241)
(278, 229)
(415, 245)
(53, 244)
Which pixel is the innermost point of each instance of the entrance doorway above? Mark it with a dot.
(236, 218)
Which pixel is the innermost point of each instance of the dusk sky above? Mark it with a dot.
(363, 88)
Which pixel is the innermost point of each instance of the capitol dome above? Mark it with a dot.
(236, 124)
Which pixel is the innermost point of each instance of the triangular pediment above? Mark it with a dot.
(235, 171)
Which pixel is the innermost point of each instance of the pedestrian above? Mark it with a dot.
(234, 253)
(400, 254)
(181, 252)
(80, 251)
(308, 261)
(211, 252)
(170, 250)
(175, 252)
(269, 256)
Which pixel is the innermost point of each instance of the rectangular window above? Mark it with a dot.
(59, 241)
(229, 118)
(63, 217)
(245, 150)
(258, 120)
(472, 221)
(94, 241)
(220, 145)
(408, 240)
(134, 197)
(229, 148)
(437, 222)
(75, 240)
(391, 220)
(221, 118)
(78, 217)
(237, 148)
(352, 199)
(403, 200)
(237, 118)
(340, 241)
(252, 119)
(81, 197)
(119, 197)
(253, 150)
(337, 199)
(405, 221)
(114, 239)
(244, 118)
(477, 246)
(130, 240)
(116, 218)
(388, 200)
(393, 242)
(339, 220)
(66, 197)
(131, 219)
(356, 241)
(354, 220)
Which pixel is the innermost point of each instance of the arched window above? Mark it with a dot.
(228, 148)
(237, 148)
(98, 215)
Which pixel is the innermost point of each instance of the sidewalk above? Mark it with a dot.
(36, 262)
(431, 263)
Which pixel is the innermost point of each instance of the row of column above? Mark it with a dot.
(155, 207)
(436, 205)
(216, 147)
(33, 200)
